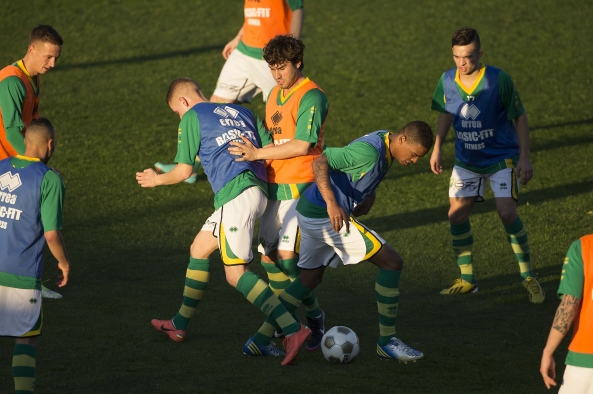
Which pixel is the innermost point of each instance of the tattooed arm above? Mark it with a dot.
(565, 315)
(337, 215)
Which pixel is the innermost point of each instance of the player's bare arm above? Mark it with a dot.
(443, 126)
(249, 152)
(337, 214)
(296, 22)
(231, 45)
(150, 178)
(565, 315)
(55, 242)
(524, 168)
(365, 206)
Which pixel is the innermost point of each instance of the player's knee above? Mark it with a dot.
(458, 216)
(507, 216)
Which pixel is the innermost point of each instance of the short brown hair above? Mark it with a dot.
(284, 48)
(182, 83)
(466, 36)
(45, 33)
(418, 132)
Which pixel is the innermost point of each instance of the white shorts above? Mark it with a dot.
(242, 77)
(278, 227)
(233, 225)
(20, 312)
(577, 380)
(321, 246)
(464, 183)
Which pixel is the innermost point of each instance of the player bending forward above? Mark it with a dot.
(345, 183)
(240, 191)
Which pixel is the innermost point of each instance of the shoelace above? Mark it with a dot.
(533, 287)
(405, 348)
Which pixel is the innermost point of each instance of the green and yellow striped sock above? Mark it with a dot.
(517, 237)
(259, 294)
(387, 294)
(196, 280)
(290, 266)
(23, 368)
(278, 279)
(462, 241)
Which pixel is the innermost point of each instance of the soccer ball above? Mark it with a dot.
(340, 345)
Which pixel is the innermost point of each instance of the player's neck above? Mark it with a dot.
(26, 61)
(296, 84)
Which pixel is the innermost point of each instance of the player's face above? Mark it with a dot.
(467, 58)
(407, 153)
(44, 56)
(286, 74)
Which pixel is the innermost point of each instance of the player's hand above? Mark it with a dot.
(524, 170)
(246, 150)
(435, 161)
(548, 370)
(147, 178)
(230, 47)
(338, 218)
(64, 266)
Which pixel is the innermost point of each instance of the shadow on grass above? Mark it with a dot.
(141, 59)
(439, 214)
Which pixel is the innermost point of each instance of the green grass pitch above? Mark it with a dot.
(378, 62)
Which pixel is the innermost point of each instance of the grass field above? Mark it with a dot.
(378, 62)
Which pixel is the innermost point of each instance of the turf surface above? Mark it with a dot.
(378, 62)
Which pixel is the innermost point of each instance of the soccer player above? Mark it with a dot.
(20, 93)
(345, 183)
(239, 199)
(31, 202)
(492, 143)
(576, 292)
(20, 88)
(295, 114)
(245, 73)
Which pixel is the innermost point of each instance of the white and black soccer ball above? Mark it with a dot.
(340, 345)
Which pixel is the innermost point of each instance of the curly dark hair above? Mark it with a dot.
(418, 132)
(284, 48)
(45, 33)
(466, 36)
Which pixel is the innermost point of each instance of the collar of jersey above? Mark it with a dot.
(471, 89)
(27, 158)
(387, 150)
(21, 65)
(283, 99)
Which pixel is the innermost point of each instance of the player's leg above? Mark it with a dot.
(234, 84)
(288, 248)
(259, 72)
(24, 360)
(196, 279)
(235, 237)
(21, 317)
(390, 266)
(505, 187)
(465, 189)
(269, 229)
